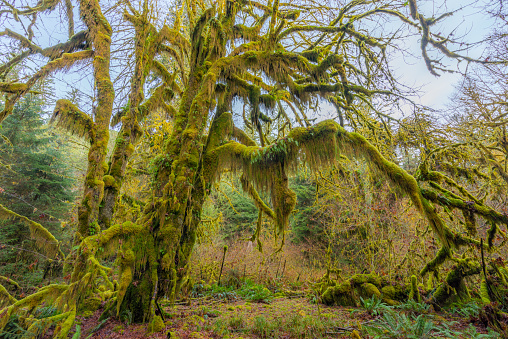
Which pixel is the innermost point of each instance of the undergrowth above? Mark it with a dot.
(248, 290)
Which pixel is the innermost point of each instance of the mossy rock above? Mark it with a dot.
(367, 290)
(395, 291)
(156, 325)
(341, 294)
(359, 279)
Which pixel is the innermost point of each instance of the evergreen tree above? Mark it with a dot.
(34, 183)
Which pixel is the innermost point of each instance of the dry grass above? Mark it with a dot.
(292, 267)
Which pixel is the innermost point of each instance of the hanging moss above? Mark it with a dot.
(44, 240)
(125, 276)
(67, 116)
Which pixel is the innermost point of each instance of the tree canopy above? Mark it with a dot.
(237, 80)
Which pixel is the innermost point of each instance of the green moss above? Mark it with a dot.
(443, 254)
(414, 293)
(341, 294)
(109, 181)
(491, 234)
(63, 329)
(156, 325)
(454, 284)
(371, 278)
(129, 150)
(118, 329)
(484, 292)
(90, 304)
(367, 290)
(389, 291)
(390, 295)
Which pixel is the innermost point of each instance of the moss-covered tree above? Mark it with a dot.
(274, 58)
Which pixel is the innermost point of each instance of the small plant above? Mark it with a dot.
(468, 310)
(256, 293)
(126, 316)
(395, 325)
(374, 306)
(264, 328)
(236, 323)
(414, 307)
(220, 327)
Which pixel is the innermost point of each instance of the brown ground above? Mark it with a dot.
(211, 318)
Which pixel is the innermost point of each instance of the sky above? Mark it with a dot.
(473, 24)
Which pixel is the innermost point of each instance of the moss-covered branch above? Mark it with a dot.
(5, 280)
(454, 201)
(454, 283)
(44, 240)
(65, 61)
(50, 292)
(6, 298)
(69, 117)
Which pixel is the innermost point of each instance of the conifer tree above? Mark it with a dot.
(34, 183)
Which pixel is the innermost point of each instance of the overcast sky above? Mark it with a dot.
(473, 25)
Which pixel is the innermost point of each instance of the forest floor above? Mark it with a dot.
(226, 315)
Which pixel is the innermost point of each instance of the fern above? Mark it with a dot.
(395, 325)
(374, 306)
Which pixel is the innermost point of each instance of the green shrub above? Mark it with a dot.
(254, 292)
